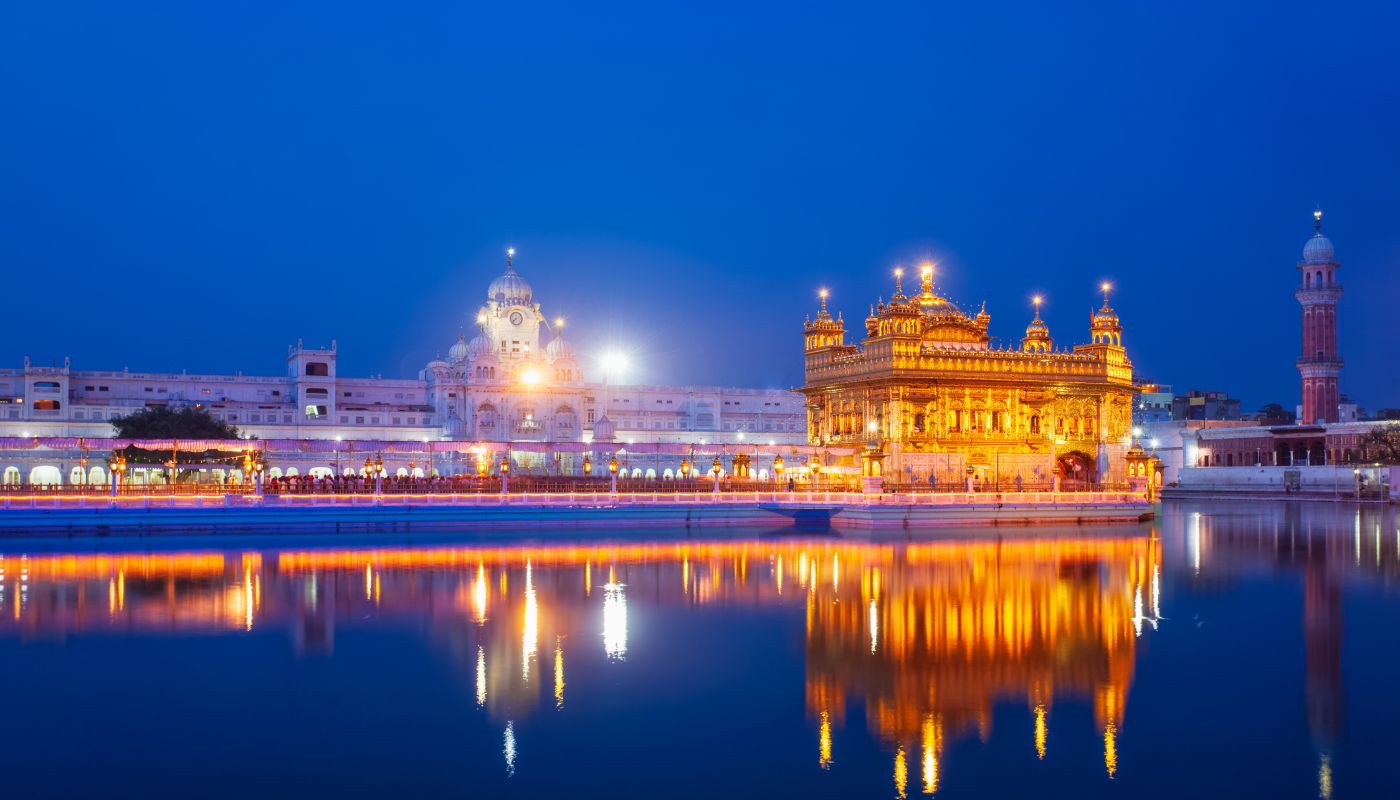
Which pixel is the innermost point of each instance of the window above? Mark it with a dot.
(46, 405)
(88, 389)
(102, 388)
(46, 386)
(318, 369)
(315, 392)
(315, 411)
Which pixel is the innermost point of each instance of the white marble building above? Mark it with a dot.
(516, 380)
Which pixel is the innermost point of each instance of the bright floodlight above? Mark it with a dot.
(558, 322)
(530, 377)
(510, 251)
(614, 363)
(1037, 300)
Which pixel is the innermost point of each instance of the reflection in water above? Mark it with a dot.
(928, 637)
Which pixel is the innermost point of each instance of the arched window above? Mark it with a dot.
(11, 476)
(318, 369)
(1035, 423)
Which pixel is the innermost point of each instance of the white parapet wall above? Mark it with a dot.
(1342, 480)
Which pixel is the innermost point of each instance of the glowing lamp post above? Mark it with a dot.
(505, 474)
(816, 472)
(117, 466)
(685, 470)
(612, 471)
(587, 466)
(481, 466)
(715, 469)
(778, 470)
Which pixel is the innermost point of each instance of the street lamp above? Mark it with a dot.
(117, 466)
(716, 468)
(505, 474)
(612, 470)
(685, 470)
(778, 470)
(587, 466)
(816, 466)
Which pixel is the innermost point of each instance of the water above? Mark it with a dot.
(1243, 650)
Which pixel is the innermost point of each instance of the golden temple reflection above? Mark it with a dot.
(932, 744)
(1042, 732)
(376, 588)
(778, 574)
(587, 578)
(369, 581)
(901, 774)
(558, 673)
(824, 741)
(685, 576)
(1110, 749)
(480, 675)
(1324, 777)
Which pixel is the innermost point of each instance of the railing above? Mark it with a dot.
(105, 490)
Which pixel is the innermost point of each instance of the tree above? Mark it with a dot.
(162, 422)
(1275, 414)
(1382, 444)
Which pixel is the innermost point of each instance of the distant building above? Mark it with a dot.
(517, 380)
(1154, 402)
(1199, 405)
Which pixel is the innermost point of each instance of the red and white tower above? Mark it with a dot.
(1319, 364)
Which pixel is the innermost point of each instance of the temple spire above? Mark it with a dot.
(1105, 287)
(1317, 219)
(510, 258)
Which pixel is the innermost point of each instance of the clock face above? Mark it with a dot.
(515, 318)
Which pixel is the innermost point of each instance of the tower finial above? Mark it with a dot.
(1317, 219)
(510, 257)
(1036, 301)
(822, 294)
(1104, 287)
(898, 280)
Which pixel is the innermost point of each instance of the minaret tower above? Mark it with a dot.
(1319, 364)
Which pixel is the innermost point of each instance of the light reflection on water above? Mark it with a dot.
(911, 651)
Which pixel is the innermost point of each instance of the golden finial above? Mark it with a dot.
(1036, 301)
(1104, 287)
(898, 279)
(823, 294)
(1317, 219)
(559, 323)
(510, 256)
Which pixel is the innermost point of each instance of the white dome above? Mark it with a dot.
(1318, 250)
(459, 350)
(480, 346)
(510, 289)
(604, 430)
(558, 349)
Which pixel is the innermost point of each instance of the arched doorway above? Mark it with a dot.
(45, 476)
(1076, 470)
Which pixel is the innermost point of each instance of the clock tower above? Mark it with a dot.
(511, 319)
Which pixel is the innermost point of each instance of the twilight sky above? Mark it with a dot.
(196, 185)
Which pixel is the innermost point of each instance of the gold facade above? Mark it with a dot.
(930, 392)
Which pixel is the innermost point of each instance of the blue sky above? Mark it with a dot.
(196, 185)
